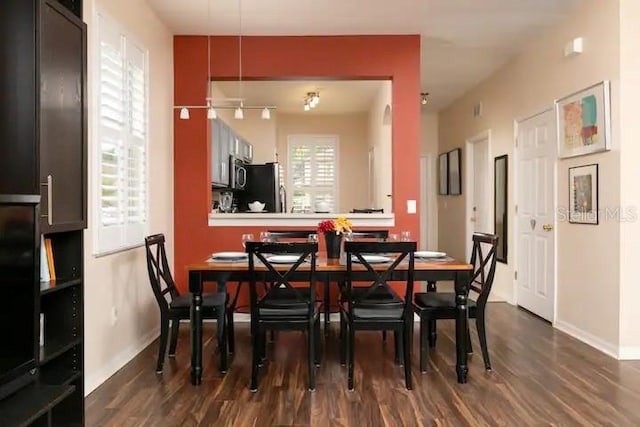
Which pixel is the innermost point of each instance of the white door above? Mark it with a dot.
(536, 169)
(480, 198)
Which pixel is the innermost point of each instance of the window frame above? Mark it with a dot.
(105, 241)
(289, 176)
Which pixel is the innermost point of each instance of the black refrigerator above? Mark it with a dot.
(263, 185)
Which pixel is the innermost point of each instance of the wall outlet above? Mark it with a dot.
(114, 315)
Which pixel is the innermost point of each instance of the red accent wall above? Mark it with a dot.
(283, 57)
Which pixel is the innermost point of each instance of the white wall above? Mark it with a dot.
(352, 151)
(120, 281)
(629, 178)
(429, 149)
(379, 137)
(587, 256)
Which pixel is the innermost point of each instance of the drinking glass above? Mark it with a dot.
(348, 236)
(312, 238)
(405, 236)
(246, 238)
(393, 237)
(265, 236)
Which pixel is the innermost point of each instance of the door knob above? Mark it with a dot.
(547, 227)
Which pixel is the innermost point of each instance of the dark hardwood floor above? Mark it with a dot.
(540, 377)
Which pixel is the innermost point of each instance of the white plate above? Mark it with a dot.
(283, 259)
(430, 254)
(372, 259)
(228, 255)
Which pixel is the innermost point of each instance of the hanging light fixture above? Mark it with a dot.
(423, 98)
(311, 100)
(225, 102)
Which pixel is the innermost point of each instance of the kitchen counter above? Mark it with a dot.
(297, 219)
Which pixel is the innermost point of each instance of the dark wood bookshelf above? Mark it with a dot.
(58, 285)
(31, 403)
(53, 349)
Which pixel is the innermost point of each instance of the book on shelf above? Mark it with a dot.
(44, 262)
(50, 263)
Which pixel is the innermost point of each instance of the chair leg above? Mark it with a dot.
(406, 340)
(318, 348)
(431, 325)
(175, 326)
(480, 325)
(231, 332)
(311, 342)
(164, 337)
(423, 344)
(326, 306)
(222, 340)
(343, 341)
(469, 345)
(262, 347)
(399, 351)
(256, 351)
(351, 351)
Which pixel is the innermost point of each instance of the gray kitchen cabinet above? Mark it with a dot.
(219, 153)
(246, 150)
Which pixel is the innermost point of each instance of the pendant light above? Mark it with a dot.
(239, 114)
(266, 114)
(184, 113)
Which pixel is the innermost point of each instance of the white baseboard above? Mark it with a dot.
(629, 353)
(91, 382)
(598, 343)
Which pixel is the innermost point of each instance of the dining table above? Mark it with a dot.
(328, 271)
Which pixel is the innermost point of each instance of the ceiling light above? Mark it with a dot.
(316, 98)
(224, 103)
(306, 107)
(211, 113)
(423, 98)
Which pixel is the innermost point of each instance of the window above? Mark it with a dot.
(121, 172)
(313, 172)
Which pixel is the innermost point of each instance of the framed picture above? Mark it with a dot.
(583, 194)
(443, 174)
(584, 120)
(455, 183)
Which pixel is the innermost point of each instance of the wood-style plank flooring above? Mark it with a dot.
(540, 377)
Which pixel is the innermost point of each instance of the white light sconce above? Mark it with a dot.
(574, 47)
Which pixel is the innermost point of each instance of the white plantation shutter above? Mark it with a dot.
(122, 135)
(313, 171)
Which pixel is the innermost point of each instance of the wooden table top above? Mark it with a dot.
(328, 264)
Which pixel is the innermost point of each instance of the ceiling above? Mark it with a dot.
(336, 96)
(463, 41)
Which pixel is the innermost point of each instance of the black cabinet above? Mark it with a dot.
(43, 152)
(62, 119)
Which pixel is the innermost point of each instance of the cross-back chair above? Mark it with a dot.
(283, 307)
(431, 306)
(362, 309)
(175, 306)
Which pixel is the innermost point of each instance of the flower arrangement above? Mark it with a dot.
(339, 225)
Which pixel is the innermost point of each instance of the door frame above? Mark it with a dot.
(468, 172)
(516, 182)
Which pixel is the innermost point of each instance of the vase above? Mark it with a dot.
(333, 241)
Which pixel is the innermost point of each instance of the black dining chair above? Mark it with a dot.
(283, 307)
(382, 235)
(175, 306)
(364, 310)
(431, 306)
(367, 210)
(280, 235)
